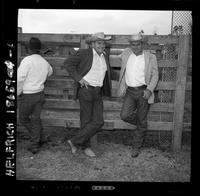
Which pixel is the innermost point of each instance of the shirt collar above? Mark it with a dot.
(142, 54)
(95, 53)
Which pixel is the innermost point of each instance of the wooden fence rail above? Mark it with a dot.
(167, 114)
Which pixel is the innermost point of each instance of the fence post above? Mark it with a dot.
(183, 54)
(19, 48)
(83, 43)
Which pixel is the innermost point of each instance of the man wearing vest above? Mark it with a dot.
(137, 81)
(92, 74)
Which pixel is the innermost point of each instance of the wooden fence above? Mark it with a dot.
(172, 108)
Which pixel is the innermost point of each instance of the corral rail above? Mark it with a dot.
(172, 108)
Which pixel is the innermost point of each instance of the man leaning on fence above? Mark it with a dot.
(91, 71)
(31, 76)
(137, 81)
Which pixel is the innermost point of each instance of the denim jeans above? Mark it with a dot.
(30, 108)
(134, 111)
(91, 115)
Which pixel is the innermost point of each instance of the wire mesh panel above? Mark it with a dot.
(181, 23)
(166, 96)
(168, 58)
(165, 138)
(167, 74)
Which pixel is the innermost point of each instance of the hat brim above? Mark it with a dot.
(133, 40)
(143, 40)
(93, 39)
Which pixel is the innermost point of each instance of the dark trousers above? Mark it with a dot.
(30, 108)
(91, 115)
(134, 111)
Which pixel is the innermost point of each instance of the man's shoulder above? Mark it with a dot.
(33, 56)
(84, 51)
(126, 51)
(148, 52)
(26, 59)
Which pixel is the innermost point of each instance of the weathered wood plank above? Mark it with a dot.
(58, 92)
(167, 65)
(115, 51)
(75, 114)
(108, 115)
(116, 39)
(56, 61)
(75, 123)
(60, 71)
(68, 83)
(50, 124)
(54, 38)
(162, 39)
(70, 119)
(109, 124)
(52, 49)
(180, 92)
(114, 61)
(108, 105)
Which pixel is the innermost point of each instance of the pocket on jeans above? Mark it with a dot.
(85, 94)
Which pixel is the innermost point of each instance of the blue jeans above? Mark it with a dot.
(134, 111)
(30, 108)
(91, 115)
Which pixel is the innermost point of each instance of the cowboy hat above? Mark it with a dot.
(98, 36)
(135, 38)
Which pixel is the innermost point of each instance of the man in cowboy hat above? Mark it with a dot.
(137, 81)
(92, 74)
(31, 76)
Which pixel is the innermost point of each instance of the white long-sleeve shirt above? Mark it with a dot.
(96, 74)
(134, 75)
(32, 74)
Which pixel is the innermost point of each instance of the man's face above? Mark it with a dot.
(99, 46)
(136, 47)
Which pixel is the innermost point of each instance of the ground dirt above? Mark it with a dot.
(113, 162)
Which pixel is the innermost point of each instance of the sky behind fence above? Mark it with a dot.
(91, 21)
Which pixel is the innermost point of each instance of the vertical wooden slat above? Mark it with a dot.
(180, 92)
(19, 48)
(83, 44)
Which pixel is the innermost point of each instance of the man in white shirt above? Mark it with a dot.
(31, 76)
(137, 81)
(91, 71)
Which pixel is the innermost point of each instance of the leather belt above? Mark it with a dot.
(91, 86)
(137, 87)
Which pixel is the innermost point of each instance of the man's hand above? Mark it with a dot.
(147, 94)
(84, 83)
